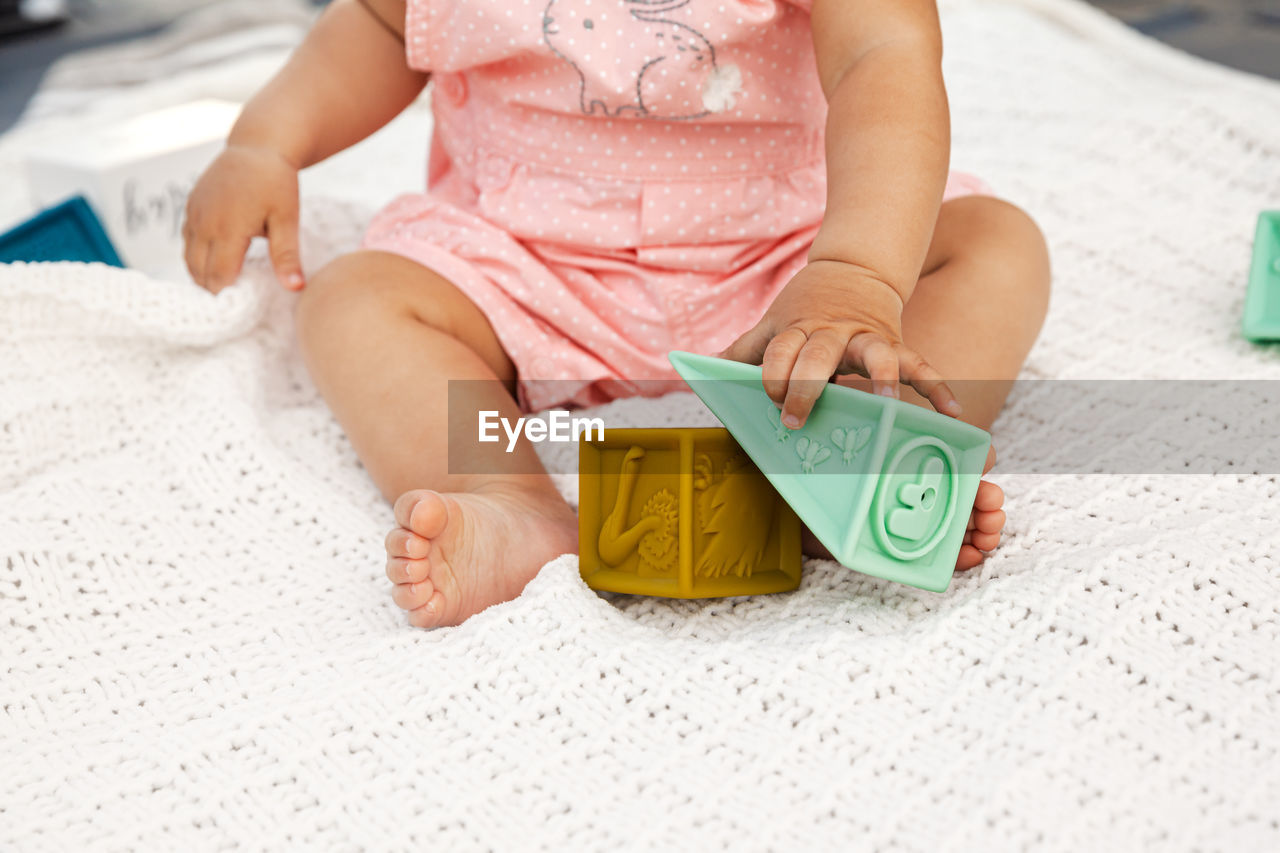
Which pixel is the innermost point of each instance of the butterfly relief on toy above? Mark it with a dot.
(811, 452)
(850, 441)
(780, 432)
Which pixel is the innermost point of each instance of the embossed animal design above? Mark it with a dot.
(653, 536)
(850, 441)
(639, 57)
(780, 432)
(914, 519)
(734, 514)
(811, 452)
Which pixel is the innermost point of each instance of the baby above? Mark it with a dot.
(610, 180)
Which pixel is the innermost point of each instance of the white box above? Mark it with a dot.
(137, 175)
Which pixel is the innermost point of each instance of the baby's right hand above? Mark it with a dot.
(246, 192)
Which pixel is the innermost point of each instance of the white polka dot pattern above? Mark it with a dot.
(534, 71)
(599, 312)
(611, 180)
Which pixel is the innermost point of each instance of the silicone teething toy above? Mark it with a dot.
(1262, 301)
(886, 486)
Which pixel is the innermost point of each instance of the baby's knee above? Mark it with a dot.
(1007, 243)
(348, 294)
(1013, 232)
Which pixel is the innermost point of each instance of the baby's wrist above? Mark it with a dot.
(261, 150)
(254, 136)
(862, 275)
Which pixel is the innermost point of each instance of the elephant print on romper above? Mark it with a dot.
(640, 58)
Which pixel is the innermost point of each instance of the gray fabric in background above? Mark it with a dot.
(198, 38)
(103, 38)
(1241, 33)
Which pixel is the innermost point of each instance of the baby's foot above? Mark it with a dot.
(985, 522)
(985, 525)
(454, 554)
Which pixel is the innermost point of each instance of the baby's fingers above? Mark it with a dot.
(223, 262)
(750, 346)
(874, 357)
(920, 375)
(282, 237)
(814, 365)
(195, 253)
(780, 360)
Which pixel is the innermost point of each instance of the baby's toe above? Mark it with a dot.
(984, 541)
(430, 614)
(404, 570)
(412, 596)
(422, 512)
(968, 558)
(989, 522)
(405, 543)
(990, 497)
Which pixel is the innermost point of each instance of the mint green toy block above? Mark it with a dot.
(1262, 301)
(886, 486)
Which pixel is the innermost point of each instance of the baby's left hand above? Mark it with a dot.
(835, 317)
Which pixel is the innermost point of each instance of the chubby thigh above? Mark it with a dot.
(583, 326)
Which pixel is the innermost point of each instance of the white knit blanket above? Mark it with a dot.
(198, 649)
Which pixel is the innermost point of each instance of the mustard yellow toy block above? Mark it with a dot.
(681, 513)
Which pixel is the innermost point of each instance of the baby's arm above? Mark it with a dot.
(347, 79)
(888, 147)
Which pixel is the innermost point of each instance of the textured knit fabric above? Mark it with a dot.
(614, 179)
(198, 650)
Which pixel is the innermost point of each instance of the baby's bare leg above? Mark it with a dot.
(974, 315)
(980, 303)
(382, 337)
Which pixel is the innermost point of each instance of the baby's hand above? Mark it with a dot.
(835, 317)
(247, 192)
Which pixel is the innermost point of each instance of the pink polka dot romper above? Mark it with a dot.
(613, 179)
